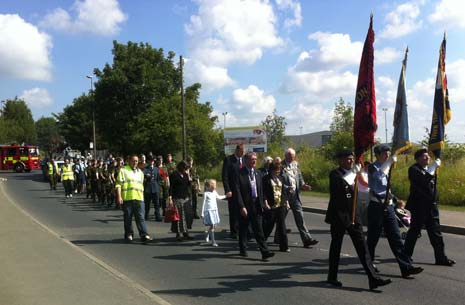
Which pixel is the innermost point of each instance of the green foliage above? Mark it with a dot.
(75, 123)
(343, 119)
(451, 180)
(315, 168)
(17, 123)
(275, 127)
(48, 136)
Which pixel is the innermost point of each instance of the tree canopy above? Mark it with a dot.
(16, 123)
(137, 106)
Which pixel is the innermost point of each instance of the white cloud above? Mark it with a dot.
(37, 98)
(456, 81)
(24, 50)
(101, 17)
(312, 118)
(253, 100)
(386, 55)
(449, 14)
(403, 20)
(211, 77)
(227, 31)
(296, 9)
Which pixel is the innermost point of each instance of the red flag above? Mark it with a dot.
(365, 99)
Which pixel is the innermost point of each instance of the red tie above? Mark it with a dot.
(240, 162)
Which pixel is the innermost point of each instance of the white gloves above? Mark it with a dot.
(350, 177)
(387, 164)
(357, 168)
(432, 169)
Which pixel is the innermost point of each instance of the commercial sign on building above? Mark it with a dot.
(254, 138)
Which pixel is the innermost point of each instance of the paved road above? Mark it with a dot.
(196, 273)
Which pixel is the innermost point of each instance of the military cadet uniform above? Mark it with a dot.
(195, 189)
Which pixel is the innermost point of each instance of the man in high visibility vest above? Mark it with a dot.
(52, 174)
(67, 177)
(130, 194)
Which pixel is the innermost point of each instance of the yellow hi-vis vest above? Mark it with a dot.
(131, 183)
(68, 173)
(50, 168)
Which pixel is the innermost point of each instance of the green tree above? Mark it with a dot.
(342, 127)
(275, 127)
(139, 76)
(75, 123)
(48, 136)
(18, 124)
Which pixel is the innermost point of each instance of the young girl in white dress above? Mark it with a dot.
(210, 214)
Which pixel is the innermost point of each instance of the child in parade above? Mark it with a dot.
(210, 215)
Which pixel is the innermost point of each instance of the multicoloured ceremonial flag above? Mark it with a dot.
(441, 109)
(401, 137)
(365, 99)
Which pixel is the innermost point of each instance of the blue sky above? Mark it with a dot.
(250, 56)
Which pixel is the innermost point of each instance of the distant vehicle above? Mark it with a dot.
(20, 158)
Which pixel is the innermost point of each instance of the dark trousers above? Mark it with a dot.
(233, 217)
(379, 216)
(255, 219)
(356, 234)
(154, 198)
(68, 185)
(277, 216)
(431, 222)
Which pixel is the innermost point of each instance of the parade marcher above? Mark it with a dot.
(67, 177)
(142, 162)
(164, 183)
(170, 164)
(79, 170)
(152, 189)
(294, 179)
(180, 198)
(381, 214)
(53, 173)
(88, 172)
(105, 184)
(339, 216)
(277, 204)
(250, 201)
(423, 205)
(231, 166)
(265, 169)
(210, 214)
(130, 194)
(195, 185)
(94, 180)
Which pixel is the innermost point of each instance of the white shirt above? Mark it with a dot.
(209, 201)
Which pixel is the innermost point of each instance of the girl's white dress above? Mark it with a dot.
(210, 213)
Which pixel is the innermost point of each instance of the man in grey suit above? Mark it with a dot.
(295, 182)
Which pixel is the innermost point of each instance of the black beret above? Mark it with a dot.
(381, 148)
(420, 152)
(344, 153)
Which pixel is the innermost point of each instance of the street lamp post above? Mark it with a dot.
(224, 119)
(385, 122)
(93, 114)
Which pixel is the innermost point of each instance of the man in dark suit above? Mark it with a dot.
(339, 216)
(422, 203)
(231, 166)
(249, 190)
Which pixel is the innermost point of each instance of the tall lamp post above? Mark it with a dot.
(385, 122)
(224, 119)
(93, 115)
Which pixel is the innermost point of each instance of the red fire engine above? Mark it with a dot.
(19, 157)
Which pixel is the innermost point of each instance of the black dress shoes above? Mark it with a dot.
(447, 262)
(310, 243)
(334, 283)
(267, 255)
(414, 270)
(378, 282)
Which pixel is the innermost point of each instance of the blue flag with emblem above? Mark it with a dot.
(401, 137)
(441, 109)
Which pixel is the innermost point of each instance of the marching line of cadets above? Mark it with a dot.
(260, 198)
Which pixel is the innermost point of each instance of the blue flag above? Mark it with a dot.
(401, 137)
(441, 109)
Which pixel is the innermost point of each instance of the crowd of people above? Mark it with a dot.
(259, 199)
